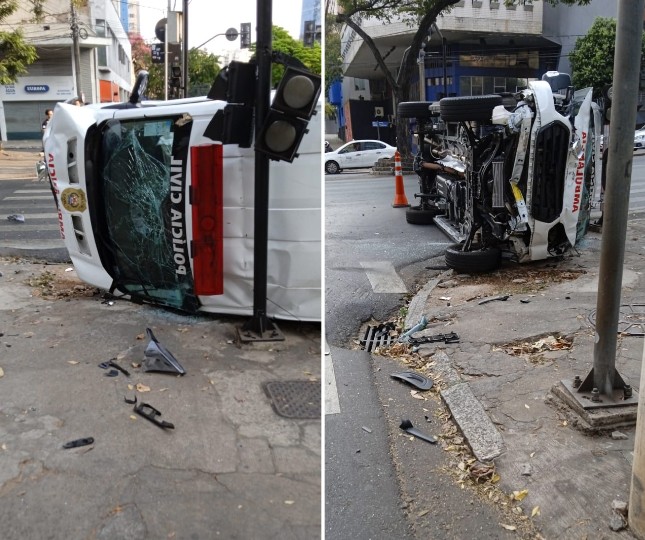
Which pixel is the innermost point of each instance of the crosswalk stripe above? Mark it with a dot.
(26, 227)
(34, 191)
(28, 198)
(29, 216)
(383, 277)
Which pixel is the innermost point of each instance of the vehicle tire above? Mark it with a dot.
(331, 167)
(469, 108)
(478, 261)
(415, 109)
(417, 215)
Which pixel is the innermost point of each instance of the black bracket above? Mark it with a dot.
(152, 414)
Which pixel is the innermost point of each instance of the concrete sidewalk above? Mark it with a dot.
(230, 468)
(498, 383)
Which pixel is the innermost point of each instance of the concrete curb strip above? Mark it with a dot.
(482, 436)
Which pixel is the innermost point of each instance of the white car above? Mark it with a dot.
(639, 139)
(357, 155)
(151, 208)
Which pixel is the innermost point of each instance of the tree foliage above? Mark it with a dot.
(203, 67)
(592, 58)
(311, 57)
(419, 14)
(333, 59)
(15, 53)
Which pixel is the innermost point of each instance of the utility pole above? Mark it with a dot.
(165, 55)
(185, 49)
(629, 32)
(76, 49)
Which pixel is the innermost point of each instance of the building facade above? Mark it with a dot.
(105, 64)
(478, 47)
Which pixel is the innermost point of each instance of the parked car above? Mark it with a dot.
(639, 138)
(357, 155)
(153, 209)
(506, 184)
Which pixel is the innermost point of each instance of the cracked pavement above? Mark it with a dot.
(231, 468)
(572, 475)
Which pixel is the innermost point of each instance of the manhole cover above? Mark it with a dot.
(631, 319)
(295, 399)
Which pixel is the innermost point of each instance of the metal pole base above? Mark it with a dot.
(589, 397)
(259, 328)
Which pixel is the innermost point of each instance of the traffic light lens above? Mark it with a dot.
(298, 92)
(280, 136)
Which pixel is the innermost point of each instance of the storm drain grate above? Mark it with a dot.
(377, 336)
(631, 319)
(295, 399)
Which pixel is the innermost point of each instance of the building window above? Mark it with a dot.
(479, 85)
(101, 52)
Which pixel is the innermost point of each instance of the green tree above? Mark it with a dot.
(592, 58)
(15, 53)
(203, 67)
(333, 59)
(311, 57)
(419, 14)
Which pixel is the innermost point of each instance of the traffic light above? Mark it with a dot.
(286, 123)
(175, 77)
(245, 35)
(234, 84)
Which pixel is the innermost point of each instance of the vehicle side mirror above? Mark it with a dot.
(139, 87)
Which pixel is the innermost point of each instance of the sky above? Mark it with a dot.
(209, 17)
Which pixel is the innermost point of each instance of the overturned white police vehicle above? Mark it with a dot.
(153, 206)
(507, 176)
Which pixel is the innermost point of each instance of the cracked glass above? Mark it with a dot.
(143, 185)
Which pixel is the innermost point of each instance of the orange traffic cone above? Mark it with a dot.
(400, 200)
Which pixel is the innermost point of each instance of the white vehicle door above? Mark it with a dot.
(373, 151)
(347, 155)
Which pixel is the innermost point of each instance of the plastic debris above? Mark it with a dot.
(18, 218)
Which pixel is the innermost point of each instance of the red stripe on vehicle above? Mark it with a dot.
(208, 218)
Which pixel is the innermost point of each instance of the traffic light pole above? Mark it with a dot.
(259, 327)
(185, 50)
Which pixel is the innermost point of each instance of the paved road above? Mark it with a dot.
(372, 255)
(39, 233)
(373, 258)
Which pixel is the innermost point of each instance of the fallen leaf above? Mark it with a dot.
(72, 362)
(461, 466)
(130, 387)
(142, 388)
(496, 478)
(136, 365)
(162, 389)
(532, 454)
(415, 394)
(535, 511)
(423, 513)
(1, 372)
(141, 336)
(509, 527)
(519, 495)
(289, 502)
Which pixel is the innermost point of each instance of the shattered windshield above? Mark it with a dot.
(143, 188)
